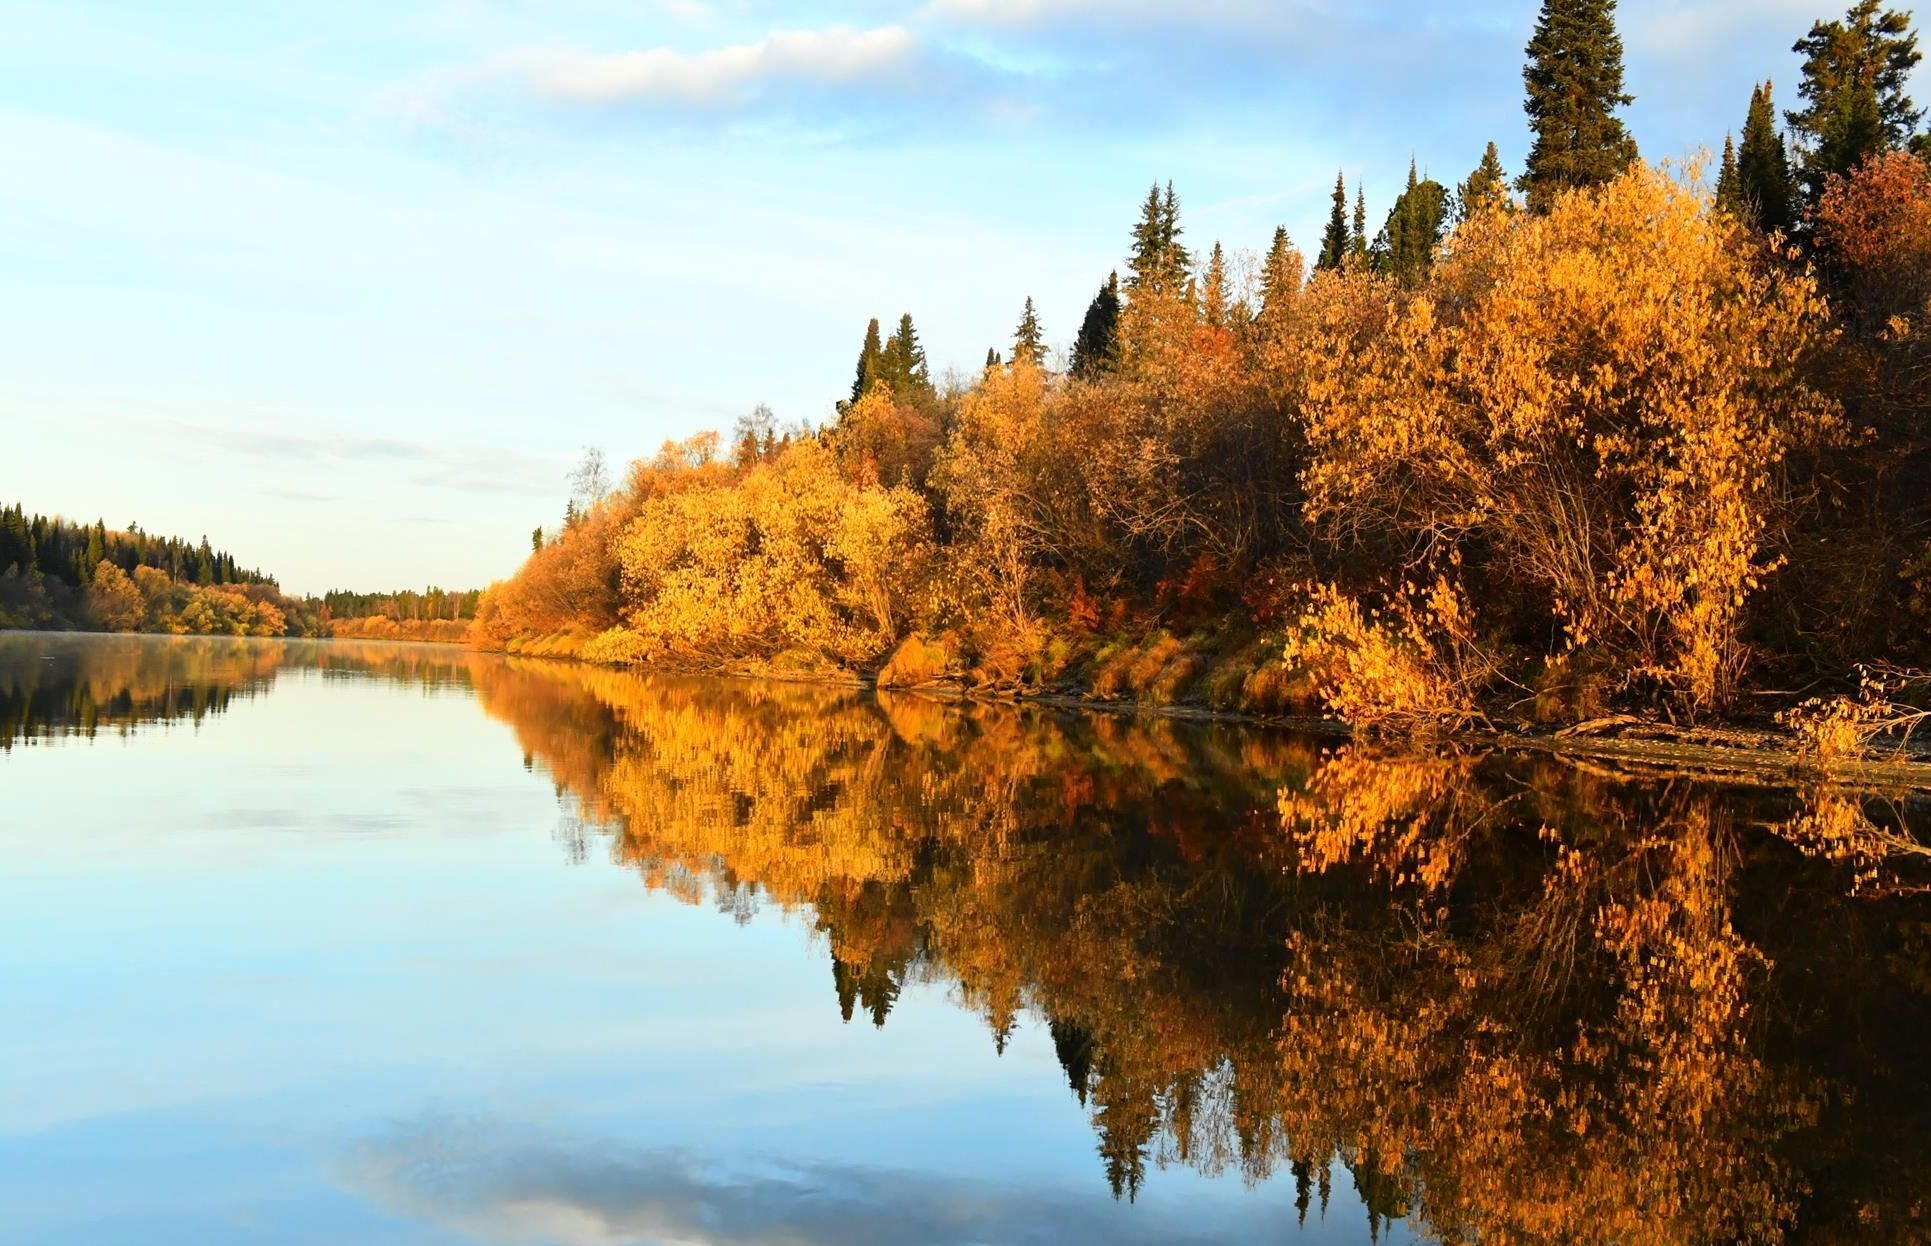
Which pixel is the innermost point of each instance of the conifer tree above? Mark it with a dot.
(1094, 348)
(1765, 192)
(1178, 261)
(1281, 275)
(1406, 248)
(1029, 340)
(1358, 237)
(992, 358)
(1486, 188)
(1574, 82)
(1213, 289)
(868, 361)
(1334, 243)
(902, 363)
(1854, 74)
(1729, 195)
(1146, 260)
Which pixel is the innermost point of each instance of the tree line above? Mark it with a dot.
(1596, 436)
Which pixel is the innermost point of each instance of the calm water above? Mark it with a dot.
(391, 944)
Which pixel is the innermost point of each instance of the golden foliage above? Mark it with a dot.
(1601, 394)
(789, 557)
(1415, 664)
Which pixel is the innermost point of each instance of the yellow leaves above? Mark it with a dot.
(1418, 664)
(790, 557)
(1601, 394)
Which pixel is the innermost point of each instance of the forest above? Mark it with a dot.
(1609, 437)
(64, 576)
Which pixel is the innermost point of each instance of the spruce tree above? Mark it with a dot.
(1765, 191)
(902, 363)
(1029, 340)
(1485, 189)
(1093, 349)
(1406, 248)
(1145, 263)
(1729, 194)
(1280, 277)
(992, 358)
(1334, 243)
(1574, 82)
(1178, 261)
(1358, 238)
(1854, 75)
(1213, 289)
(868, 361)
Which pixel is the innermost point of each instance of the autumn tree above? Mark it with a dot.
(1854, 76)
(1598, 399)
(1574, 81)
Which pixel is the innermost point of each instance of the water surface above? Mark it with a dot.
(328, 942)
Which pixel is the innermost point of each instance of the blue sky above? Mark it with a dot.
(348, 286)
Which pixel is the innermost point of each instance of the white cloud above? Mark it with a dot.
(723, 77)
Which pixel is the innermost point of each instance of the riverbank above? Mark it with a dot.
(1765, 751)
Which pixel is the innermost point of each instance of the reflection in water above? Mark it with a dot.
(1517, 1000)
(55, 685)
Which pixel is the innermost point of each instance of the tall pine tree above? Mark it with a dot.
(1029, 340)
(1729, 192)
(1280, 277)
(1487, 188)
(1094, 348)
(1406, 248)
(869, 357)
(1765, 191)
(1358, 236)
(1574, 82)
(1213, 289)
(1334, 243)
(1854, 75)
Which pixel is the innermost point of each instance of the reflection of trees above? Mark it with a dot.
(61, 685)
(1518, 1001)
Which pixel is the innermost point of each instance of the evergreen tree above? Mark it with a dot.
(1765, 192)
(1094, 349)
(1406, 248)
(1487, 187)
(1334, 243)
(1280, 277)
(1178, 261)
(868, 361)
(1146, 260)
(1358, 238)
(992, 358)
(1854, 75)
(1729, 194)
(1213, 289)
(1158, 263)
(1574, 82)
(1029, 340)
(902, 362)
(536, 539)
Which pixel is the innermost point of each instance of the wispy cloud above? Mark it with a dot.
(726, 78)
(494, 1183)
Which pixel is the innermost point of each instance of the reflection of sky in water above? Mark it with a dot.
(317, 971)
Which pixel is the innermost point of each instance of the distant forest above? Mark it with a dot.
(62, 575)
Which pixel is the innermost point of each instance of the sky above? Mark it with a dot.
(350, 286)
